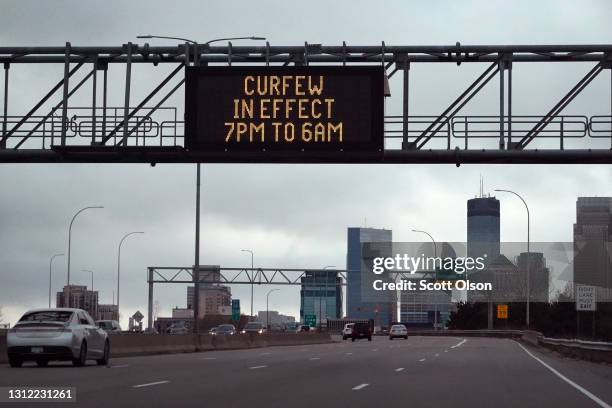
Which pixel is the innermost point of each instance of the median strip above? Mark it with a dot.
(150, 384)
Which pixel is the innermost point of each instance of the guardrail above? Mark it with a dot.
(586, 350)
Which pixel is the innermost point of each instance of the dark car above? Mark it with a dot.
(225, 329)
(361, 331)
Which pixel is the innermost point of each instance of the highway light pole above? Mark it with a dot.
(268, 309)
(252, 276)
(435, 295)
(69, 244)
(527, 320)
(119, 265)
(50, 266)
(196, 62)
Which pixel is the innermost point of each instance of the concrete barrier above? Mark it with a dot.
(136, 344)
(586, 350)
(512, 334)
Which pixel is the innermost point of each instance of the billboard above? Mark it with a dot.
(254, 112)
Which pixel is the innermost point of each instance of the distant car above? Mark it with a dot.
(398, 330)
(212, 330)
(292, 327)
(225, 329)
(109, 326)
(304, 328)
(44, 335)
(361, 331)
(254, 327)
(347, 331)
(178, 328)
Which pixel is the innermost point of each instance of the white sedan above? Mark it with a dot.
(43, 335)
(398, 330)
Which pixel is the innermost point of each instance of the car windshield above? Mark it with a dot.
(225, 328)
(47, 316)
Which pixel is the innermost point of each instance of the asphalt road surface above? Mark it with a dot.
(418, 372)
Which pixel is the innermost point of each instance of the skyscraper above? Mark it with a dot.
(363, 302)
(592, 240)
(80, 298)
(483, 228)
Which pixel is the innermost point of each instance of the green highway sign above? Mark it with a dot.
(235, 310)
(310, 320)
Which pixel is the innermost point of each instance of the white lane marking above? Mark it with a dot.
(208, 358)
(348, 354)
(586, 392)
(422, 360)
(265, 354)
(360, 386)
(437, 355)
(304, 350)
(315, 358)
(446, 351)
(459, 344)
(150, 384)
(120, 366)
(397, 370)
(256, 367)
(374, 349)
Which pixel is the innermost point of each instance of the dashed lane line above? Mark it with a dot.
(360, 386)
(150, 384)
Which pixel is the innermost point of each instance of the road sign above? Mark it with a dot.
(138, 316)
(586, 298)
(502, 312)
(310, 320)
(235, 310)
(302, 112)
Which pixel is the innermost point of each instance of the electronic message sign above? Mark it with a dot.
(255, 112)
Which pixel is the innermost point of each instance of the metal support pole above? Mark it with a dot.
(509, 68)
(406, 70)
(93, 101)
(126, 105)
(196, 271)
(150, 303)
(104, 95)
(5, 116)
(65, 97)
(501, 103)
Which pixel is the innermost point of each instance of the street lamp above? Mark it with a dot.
(91, 272)
(50, 265)
(268, 309)
(196, 62)
(69, 242)
(528, 255)
(119, 264)
(435, 295)
(252, 276)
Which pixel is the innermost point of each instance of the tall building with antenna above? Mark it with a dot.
(483, 235)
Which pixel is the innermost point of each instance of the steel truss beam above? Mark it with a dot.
(163, 143)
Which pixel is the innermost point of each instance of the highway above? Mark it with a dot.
(418, 372)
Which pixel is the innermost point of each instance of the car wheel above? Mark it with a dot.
(42, 362)
(15, 362)
(352, 339)
(343, 337)
(390, 338)
(369, 338)
(82, 358)
(405, 337)
(106, 356)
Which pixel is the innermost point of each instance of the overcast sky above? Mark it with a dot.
(289, 215)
